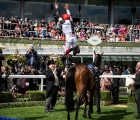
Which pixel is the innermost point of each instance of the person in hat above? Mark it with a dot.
(52, 85)
(116, 85)
(68, 30)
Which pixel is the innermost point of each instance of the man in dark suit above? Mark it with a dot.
(137, 88)
(115, 86)
(3, 81)
(52, 84)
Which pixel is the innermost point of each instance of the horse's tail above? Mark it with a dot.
(70, 86)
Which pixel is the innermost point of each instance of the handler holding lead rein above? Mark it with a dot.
(68, 30)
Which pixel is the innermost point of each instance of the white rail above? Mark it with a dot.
(43, 76)
(28, 76)
(128, 81)
(117, 76)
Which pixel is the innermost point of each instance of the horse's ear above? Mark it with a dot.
(94, 53)
(102, 53)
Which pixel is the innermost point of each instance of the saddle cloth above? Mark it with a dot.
(94, 71)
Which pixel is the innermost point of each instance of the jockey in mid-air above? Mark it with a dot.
(68, 29)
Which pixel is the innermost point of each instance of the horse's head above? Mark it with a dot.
(98, 59)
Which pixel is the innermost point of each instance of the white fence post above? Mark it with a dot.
(43, 76)
(41, 84)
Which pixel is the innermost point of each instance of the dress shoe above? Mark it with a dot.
(47, 111)
(52, 109)
(137, 117)
(117, 102)
(98, 112)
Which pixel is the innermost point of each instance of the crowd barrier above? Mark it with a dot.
(128, 81)
(28, 76)
(43, 76)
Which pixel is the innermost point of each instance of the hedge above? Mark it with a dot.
(105, 96)
(22, 104)
(35, 98)
(29, 96)
(37, 95)
(35, 41)
(131, 100)
(6, 97)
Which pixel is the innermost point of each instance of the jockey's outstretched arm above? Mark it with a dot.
(57, 12)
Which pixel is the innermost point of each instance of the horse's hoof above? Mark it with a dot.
(68, 118)
(89, 116)
(98, 112)
(84, 115)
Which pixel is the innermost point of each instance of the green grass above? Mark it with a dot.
(37, 113)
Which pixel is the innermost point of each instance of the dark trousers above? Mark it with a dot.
(52, 98)
(138, 104)
(115, 94)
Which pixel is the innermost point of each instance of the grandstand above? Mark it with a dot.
(112, 20)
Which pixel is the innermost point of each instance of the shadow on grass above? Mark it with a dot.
(114, 115)
(35, 118)
(106, 115)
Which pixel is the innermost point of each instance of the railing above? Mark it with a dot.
(4, 23)
(28, 76)
(128, 81)
(43, 76)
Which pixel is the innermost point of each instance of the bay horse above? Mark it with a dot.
(81, 79)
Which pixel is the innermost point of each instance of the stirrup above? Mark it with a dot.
(74, 51)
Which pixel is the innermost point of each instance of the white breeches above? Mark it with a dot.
(70, 42)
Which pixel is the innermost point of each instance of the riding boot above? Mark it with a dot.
(76, 50)
(68, 51)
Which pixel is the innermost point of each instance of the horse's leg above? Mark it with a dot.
(97, 97)
(85, 109)
(68, 114)
(77, 107)
(90, 105)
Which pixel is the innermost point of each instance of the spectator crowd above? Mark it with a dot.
(38, 66)
(34, 65)
(16, 27)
